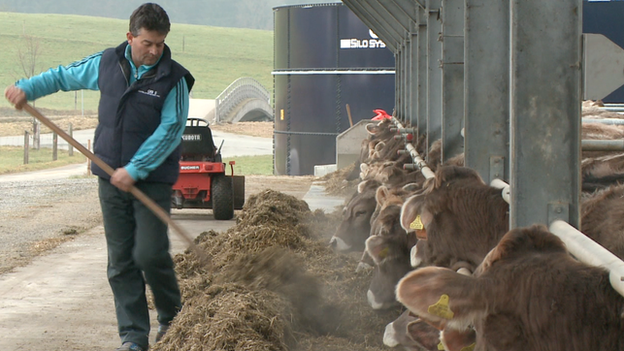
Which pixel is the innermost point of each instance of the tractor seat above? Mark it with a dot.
(197, 143)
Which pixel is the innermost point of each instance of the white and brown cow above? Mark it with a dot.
(355, 226)
(602, 172)
(389, 246)
(528, 294)
(415, 334)
(460, 220)
(460, 217)
(411, 333)
(602, 218)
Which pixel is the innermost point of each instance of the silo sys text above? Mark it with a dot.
(373, 43)
(361, 44)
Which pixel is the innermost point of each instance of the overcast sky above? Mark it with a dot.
(257, 14)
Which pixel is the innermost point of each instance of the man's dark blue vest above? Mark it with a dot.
(128, 115)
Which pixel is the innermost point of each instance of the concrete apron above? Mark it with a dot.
(63, 298)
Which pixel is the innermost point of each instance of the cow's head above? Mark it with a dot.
(412, 333)
(446, 174)
(442, 297)
(519, 241)
(355, 225)
(391, 257)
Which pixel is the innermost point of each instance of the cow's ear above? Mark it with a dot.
(364, 169)
(424, 334)
(411, 187)
(415, 217)
(371, 128)
(417, 254)
(442, 296)
(377, 248)
(410, 210)
(380, 146)
(365, 184)
(426, 217)
(381, 195)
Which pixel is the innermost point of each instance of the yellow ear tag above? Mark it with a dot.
(417, 224)
(469, 348)
(441, 347)
(383, 253)
(441, 308)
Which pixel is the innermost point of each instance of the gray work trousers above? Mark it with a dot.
(138, 253)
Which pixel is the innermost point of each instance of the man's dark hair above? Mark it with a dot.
(149, 16)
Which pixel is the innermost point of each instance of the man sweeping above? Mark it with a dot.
(144, 99)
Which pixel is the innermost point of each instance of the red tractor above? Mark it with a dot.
(203, 182)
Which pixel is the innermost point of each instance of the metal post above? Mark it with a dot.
(399, 76)
(54, 146)
(602, 145)
(434, 73)
(423, 59)
(36, 134)
(413, 72)
(26, 147)
(452, 77)
(88, 159)
(407, 80)
(486, 88)
(545, 111)
(70, 147)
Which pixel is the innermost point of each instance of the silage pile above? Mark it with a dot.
(343, 181)
(274, 284)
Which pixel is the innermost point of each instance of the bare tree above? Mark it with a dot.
(28, 54)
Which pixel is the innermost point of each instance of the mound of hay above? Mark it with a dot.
(343, 181)
(274, 284)
(230, 317)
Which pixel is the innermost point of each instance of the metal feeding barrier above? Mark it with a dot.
(418, 163)
(579, 245)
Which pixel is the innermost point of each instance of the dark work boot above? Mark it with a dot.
(130, 346)
(162, 330)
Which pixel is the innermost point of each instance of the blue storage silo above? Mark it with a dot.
(605, 17)
(324, 58)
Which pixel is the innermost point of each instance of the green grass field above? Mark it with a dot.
(12, 159)
(251, 165)
(216, 56)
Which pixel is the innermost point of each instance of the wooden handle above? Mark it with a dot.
(349, 115)
(157, 210)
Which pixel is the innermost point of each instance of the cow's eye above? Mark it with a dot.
(360, 213)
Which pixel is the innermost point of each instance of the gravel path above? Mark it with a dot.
(38, 215)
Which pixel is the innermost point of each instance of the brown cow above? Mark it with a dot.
(415, 334)
(385, 197)
(389, 247)
(412, 333)
(356, 216)
(463, 218)
(528, 294)
(602, 218)
(601, 172)
(391, 254)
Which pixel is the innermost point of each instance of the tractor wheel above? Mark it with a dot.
(222, 197)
